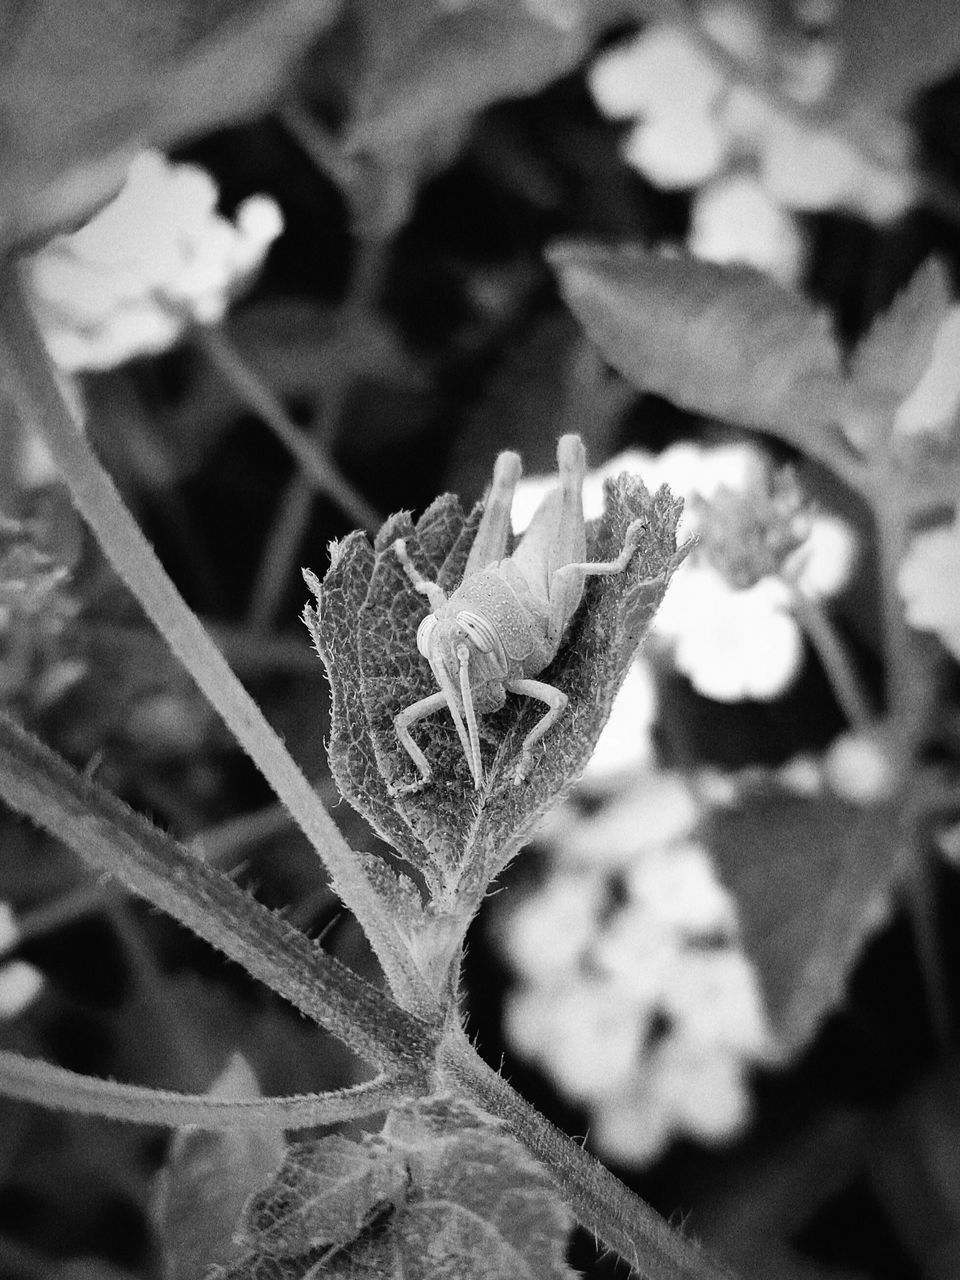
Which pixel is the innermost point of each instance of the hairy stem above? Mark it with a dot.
(38, 394)
(600, 1201)
(111, 837)
(48, 1085)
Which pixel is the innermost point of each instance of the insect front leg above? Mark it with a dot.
(569, 575)
(435, 594)
(402, 722)
(556, 702)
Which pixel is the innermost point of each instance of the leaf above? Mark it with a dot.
(442, 1192)
(892, 356)
(811, 877)
(439, 64)
(889, 51)
(365, 631)
(85, 84)
(724, 341)
(208, 1177)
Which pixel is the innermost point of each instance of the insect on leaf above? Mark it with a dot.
(365, 630)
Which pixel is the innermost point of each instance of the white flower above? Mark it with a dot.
(860, 768)
(678, 884)
(735, 220)
(155, 259)
(658, 809)
(20, 984)
(929, 582)
(546, 934)
(694, 116)
(731, 644)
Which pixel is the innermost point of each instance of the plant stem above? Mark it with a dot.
(111, 837)
(291, 519)
(600, 1201)
(907, 697)
(845, 681)
(37, 392)
(318, 470)
(48, 1085)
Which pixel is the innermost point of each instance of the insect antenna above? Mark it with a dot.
(466, 695)
(449, 691)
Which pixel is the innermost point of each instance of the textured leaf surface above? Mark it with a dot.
(722, 341)
(365, 630)
(441, 1193)
(811, 878)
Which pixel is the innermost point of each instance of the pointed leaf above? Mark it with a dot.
(449, 64)
(208, 1177)
(724, 341)
(811, 877)
(459, 838)
(892, 355)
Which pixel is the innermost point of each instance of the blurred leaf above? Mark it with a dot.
(889, 51)
(365, 631)
(430, 65)
(890, 359)
(721, 341)
(440, 1194)
(916, 1170)
(84, 84)
(811, 877)
(207, 1179)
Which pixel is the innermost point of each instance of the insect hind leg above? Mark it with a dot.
(490, 544)
(556, 701)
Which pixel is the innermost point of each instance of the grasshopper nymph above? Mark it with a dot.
(504, 623)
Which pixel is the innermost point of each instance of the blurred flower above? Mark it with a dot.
(929, 582)
(726, 618)
(734, 219)
(861, 768)
(635, 998)
(694, 116)
(20, 983)
(157, 258)
(625, 746)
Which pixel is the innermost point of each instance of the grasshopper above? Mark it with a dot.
(505, 621)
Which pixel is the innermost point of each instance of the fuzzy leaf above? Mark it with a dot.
(892, 356)
(811, 878)
(206, 1180)
(452, 62)
(889, 51)
(365, 631)
(724, 341)
(441, 1193)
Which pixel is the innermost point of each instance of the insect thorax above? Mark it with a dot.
(518, 622)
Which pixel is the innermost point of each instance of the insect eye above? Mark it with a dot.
(478, 631)
(424, 632)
